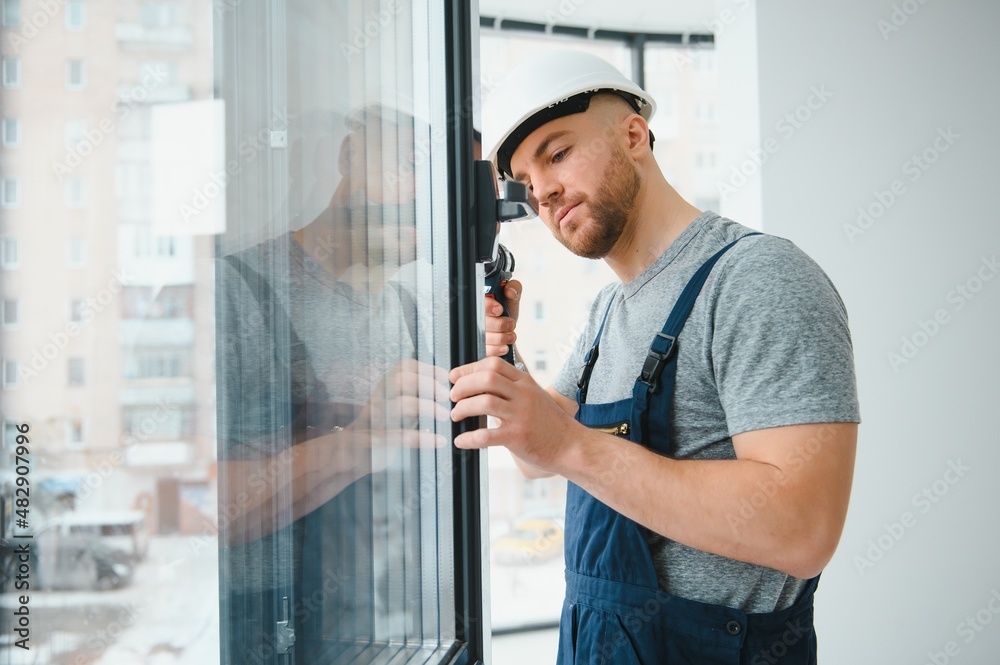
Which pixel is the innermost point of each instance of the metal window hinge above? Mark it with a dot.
(284, 635)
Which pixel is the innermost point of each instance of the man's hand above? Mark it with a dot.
(532, 425)
(408, 397)
(499, 328)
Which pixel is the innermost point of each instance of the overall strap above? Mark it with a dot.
(663, 351)
(591, 359)
(275, 318)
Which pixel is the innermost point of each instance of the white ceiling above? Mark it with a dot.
(638, 15)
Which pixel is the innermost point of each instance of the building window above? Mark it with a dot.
(163, 71)
(158, 422)
(11, 256)
(539, 310)
(10, 434)
(541, 360)
(704, 160)
(76, 15)
(10, 369)
(158, 16)
(706, 203)
(11, 132)
(133, 180)
(76, 252)
(74, 129)
(75, 193)
(10, 192)
(170, 302)
(11, 13)
(74, 433)
(146, 244)
(165, 246)
(157, 364)
(76, 74)
(75, 371)
(9, 314)
(704, 111)
(11, 72)
(76, 310)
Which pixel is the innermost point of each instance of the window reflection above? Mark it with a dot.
(271, 332)
(334, 464)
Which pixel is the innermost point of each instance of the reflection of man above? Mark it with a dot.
(318, 396)
(709, 457)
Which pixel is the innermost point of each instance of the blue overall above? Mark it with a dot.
(615, 613)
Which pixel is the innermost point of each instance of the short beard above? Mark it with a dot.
(611, 208)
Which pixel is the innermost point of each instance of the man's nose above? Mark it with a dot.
(547, 191)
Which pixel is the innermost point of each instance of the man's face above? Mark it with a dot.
(581, 182)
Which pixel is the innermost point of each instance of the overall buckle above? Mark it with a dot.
(656, 361)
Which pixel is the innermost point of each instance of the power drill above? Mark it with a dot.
(498, 273)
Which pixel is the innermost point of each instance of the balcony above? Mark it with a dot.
(156, 332)
(165, 93)
(141, 36)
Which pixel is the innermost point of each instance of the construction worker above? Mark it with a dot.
(706, 421)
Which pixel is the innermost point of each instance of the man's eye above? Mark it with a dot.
(558, 156)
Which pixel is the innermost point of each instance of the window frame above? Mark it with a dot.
(10, 366)
(72, 244)
(5, 14)
(76, 372)
(70, 83)
(69, 22)
(10, 188)
(11, 126)
(6, 244)
(10, 72)
(5, 311)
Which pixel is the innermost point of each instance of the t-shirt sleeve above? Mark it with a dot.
(781, 347)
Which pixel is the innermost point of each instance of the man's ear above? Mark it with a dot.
(638, 135)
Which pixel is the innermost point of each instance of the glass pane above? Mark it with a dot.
(332, 313)
(225, 350)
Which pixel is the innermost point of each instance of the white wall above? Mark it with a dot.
(893, 94)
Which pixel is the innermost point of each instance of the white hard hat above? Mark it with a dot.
(545, 87)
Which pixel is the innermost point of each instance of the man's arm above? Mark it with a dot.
(780, 504)
(500, 336)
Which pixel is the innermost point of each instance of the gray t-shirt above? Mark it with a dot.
(766, 345)
(351, 339)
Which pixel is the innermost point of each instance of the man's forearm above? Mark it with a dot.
(313, 471)
(743, 509)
